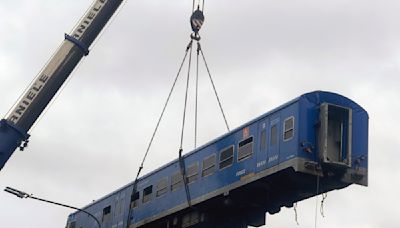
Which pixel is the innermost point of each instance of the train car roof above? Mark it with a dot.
(316, 97)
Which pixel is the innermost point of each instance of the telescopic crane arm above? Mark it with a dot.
(15, 126)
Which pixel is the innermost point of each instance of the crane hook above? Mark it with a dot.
(196, 21)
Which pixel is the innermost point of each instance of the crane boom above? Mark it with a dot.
(15, 126)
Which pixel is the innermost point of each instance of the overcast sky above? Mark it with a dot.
(262, 53)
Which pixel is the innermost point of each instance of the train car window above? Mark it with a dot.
(274, 135)
(263, 140)
(288, 129)
(176, 181)
(147, 192)
(106, 214)
(209, 165)
(162, 187)
(245, 149)
(135, 200)
(192, 173)
(226, 157)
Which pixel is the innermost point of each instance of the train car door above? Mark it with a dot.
(118, 212)
(246, 147)
(334, 136)
(273, 142)
(262, 147)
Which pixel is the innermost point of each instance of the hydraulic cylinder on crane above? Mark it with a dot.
(15, 126)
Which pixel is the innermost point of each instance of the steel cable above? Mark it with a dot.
(197, 95)
(181, 161)
(215, 90)
(134, 189)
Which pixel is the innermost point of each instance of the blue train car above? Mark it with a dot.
(272, 161)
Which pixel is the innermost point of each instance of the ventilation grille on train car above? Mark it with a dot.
(192, 173)
(162, 187)
(208, 165)
(176, 181)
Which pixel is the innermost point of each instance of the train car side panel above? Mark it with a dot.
(288, 136)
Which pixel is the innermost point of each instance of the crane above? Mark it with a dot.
(14, 128)
(340, 172)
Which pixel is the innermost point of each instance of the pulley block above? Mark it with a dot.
(197, 20)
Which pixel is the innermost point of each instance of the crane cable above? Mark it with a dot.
(197, 84)
(197, 96)
(198, 5)
(198, 18)
(189, 46)
(215, 90)
(181, 160)
(134, 189)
